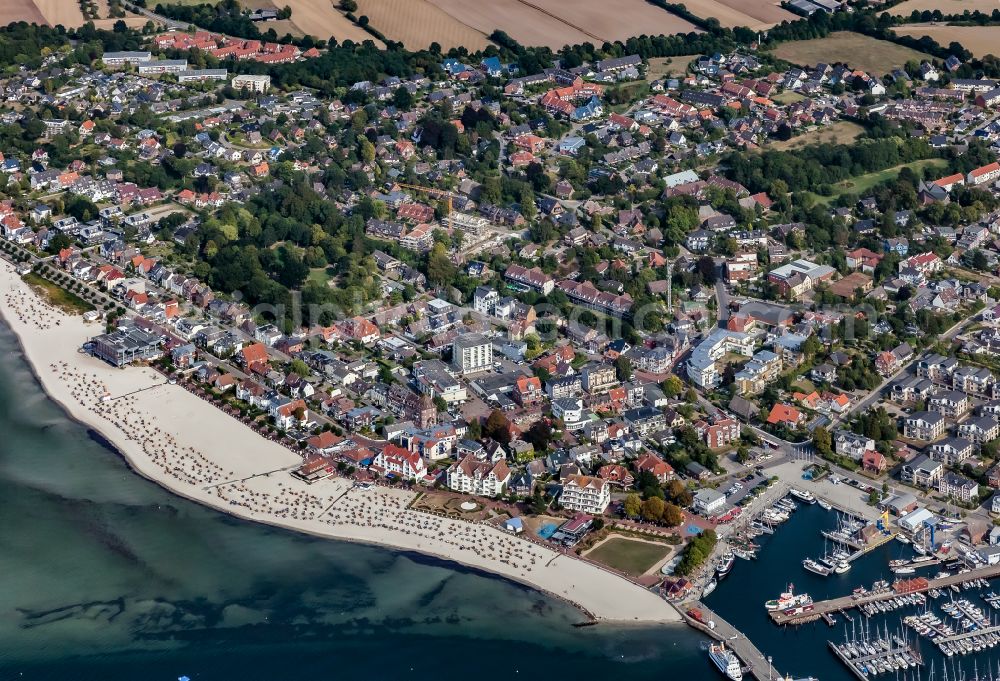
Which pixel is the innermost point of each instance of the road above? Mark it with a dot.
(876, 394)
(722, 300)
(153, 16)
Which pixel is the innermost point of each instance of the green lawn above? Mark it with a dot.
(57, 296)
(319, 275)
(862, 183)
(628, 555)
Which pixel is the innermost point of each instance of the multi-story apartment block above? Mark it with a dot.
(585, 493)
(924, 425)
(472, 476)
(472, 352)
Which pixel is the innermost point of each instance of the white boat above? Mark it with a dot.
(904, 570)
(824, 505)
(802, 495)
(726, 662)
(709, 588)
(788, 599)
(725, 564)
(901, 539)
(842, 567)
(816, 568)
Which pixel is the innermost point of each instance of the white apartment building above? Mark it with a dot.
(587, 494)
(472, 476)
(252, 83)
(472, 352)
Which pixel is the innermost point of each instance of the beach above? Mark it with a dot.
(189, 447)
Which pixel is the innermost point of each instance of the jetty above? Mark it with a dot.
(711, 624)
(901, 588)
(884, 658)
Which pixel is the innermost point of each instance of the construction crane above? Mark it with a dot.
(440, 193)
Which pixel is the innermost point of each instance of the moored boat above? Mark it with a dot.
(725, 661)
(802, 495)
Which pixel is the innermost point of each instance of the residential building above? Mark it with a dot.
(923, 425)
(472, 352)
(958, 488)
(951, 451)
(484, 478)
(586, 494)
(922, 471)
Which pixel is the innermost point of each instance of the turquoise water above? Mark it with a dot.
(107, 576)
(547, 530)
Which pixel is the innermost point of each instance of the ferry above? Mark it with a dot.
(726, 662)
(788, 599)
(725, 564)
(802, 495)
(825, 505)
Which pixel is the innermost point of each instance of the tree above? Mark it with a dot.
(300, 367)
(633, 505)
(623, 368)
(673, 386)
(652, 509)
(349, 5)
(672, 515)
(497, 427)
(440, 270)
(823, 441)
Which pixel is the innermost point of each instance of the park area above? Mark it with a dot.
(876, 57)
(862, 183)
(841, 132)
(663, 67)
(631, 556)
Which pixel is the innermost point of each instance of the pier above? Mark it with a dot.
(848, 602)
(754, 661)
(857, 664)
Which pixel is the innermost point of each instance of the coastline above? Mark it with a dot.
(163, 432)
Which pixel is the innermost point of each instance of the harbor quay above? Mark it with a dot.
(910, 586)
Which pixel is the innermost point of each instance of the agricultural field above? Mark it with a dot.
(662, 67)
(417, 23)
(946, 6)
(980, 40)
(877, 57)
(755, 14)
(20, 10)
(631, 556)
(51, 12)
(320, 19)
(841, 132)
(555, 23)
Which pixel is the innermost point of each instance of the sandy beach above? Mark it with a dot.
(195, 450)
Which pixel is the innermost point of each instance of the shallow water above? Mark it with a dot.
(107, 576)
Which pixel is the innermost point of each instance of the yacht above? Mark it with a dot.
(709, 588)
(824, 505)
(842, 567)
(726, 662)
(816, 567)
(802, 495)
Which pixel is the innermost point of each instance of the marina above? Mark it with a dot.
(889, 600)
